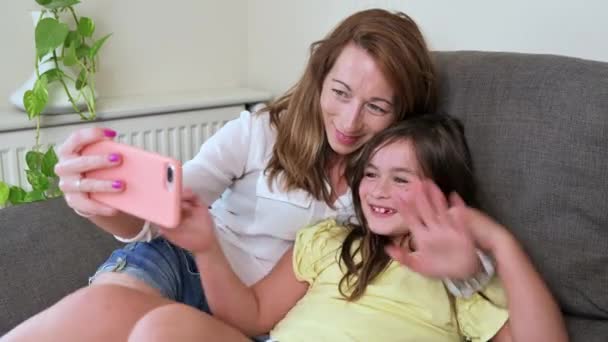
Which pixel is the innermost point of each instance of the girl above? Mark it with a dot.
(265, 174)
(339, 283)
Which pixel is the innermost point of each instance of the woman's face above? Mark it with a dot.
(356, 100)
(387, 178)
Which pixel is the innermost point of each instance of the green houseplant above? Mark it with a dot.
(68, 45)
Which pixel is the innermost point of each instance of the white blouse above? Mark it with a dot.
(255, 223)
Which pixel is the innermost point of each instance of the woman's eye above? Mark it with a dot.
(376, 109)
(339, 92)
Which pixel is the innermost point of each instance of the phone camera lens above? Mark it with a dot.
(170, 174)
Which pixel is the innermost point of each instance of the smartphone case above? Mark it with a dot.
(148, 193)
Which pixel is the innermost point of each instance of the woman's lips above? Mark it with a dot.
(346, 139)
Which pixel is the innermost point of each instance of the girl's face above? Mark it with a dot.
(356, 100)
(389, 172)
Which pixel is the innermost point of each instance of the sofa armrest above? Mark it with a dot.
(46, 252)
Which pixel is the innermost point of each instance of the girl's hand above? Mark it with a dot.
(196, 229)
(71, 166)
(443, 246)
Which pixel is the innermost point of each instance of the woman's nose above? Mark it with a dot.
(351, 118)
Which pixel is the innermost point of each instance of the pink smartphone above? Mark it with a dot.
(153, 183)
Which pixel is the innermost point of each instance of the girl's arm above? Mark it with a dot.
(253, 310)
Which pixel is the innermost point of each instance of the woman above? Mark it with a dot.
(265, 174)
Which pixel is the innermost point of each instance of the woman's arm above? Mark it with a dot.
(221, 159)
(533, 313)
(120, 224)
(439, 227)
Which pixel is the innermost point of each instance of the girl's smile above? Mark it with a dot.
(381, 211)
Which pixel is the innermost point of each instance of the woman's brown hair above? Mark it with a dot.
(443, 155)
(301, 152)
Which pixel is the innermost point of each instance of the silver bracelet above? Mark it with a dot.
(467, 288)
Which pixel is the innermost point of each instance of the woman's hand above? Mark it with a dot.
(72, 165)
(443, 246)
(196, 229)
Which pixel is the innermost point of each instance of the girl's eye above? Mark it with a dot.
(369, 175)
(377, 110)
(401, 180)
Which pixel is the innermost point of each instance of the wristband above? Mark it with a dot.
(466, 288)
(145, 234)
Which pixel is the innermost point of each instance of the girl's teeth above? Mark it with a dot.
(382, 210)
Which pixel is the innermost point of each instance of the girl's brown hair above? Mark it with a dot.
(301, 152)
(443, 155)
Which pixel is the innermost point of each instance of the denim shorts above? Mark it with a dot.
(164, 266)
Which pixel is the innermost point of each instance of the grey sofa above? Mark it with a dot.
(538, 130)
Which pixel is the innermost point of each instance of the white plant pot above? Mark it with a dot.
(58, 102)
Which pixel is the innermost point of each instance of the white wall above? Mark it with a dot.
(157, 46)
(280, 31)
(187, 45)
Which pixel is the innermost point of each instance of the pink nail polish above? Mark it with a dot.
(117, 184)
(114, 157)
(109, 133)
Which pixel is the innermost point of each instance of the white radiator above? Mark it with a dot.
(180, 142)
(178, 135)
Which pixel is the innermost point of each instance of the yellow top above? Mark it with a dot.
(399, 305)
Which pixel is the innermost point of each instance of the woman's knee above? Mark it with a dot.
(94, 313)
(163, 322)
(179, 322)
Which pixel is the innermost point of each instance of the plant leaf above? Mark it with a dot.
(33, 196)
(97, 45)
(36, 99)
(43, 2)
(40, 86)
(48, 162)
(50, 34)
(73, 38)
(4, 191)
(33, 159)
(37, 180)
(53, 75)
(54, 4)
(32, 105)
(69, 56)
(86, 26)
(82, 51)
(81, 81)
(16, 195)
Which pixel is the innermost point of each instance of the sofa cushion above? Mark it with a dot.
(537, 126)
(46, 252)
